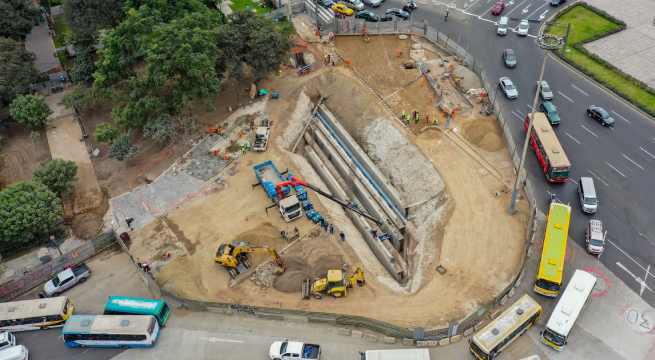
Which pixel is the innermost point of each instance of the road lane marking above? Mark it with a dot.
(566, 97)
(543, 15)
(580, 90)
(642, 283)
(529, 107)
(573, 181)
(526, 9)
(537, 9)
(645, 279)
(572, 138)
(589, 131)
(471, 4)
(599, 178)
(518, 115)
(620, 116)
(632, 161)
(615, 169)
(646, 151)
(215, 339)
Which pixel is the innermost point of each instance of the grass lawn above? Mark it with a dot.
(586, 24)
(62, 30)
(240, 5)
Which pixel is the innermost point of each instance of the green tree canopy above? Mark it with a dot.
(30, 110)
(29, 213)
(86, 17)
(58, 175)
(105, 133)
(17, 17)
(17, 71)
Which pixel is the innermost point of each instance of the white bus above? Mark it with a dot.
(111, 331)
(492, 339)
(35, 314)
(576, 295)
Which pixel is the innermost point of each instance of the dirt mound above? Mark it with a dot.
(291, 280)
(264, 234)
(484, 134)
(324, 263)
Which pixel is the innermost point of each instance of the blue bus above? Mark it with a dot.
(110, 331)
(126, 305)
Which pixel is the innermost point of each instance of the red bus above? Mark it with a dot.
(550, 154)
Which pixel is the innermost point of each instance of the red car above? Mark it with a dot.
(498, 8)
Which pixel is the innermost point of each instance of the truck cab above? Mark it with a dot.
(296, 350)
(290, 208)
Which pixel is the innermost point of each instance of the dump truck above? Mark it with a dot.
(296, 350)
(262, 133)
(268, 176)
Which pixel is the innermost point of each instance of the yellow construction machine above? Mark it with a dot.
(334, 284)
(234, 257)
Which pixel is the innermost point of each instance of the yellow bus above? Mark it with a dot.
(551, 267)
(492, 339)
(35, 314)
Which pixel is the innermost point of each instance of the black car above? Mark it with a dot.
(368, 16)
(397, 12)
(556, 2)
(410, 6)
(601, 115)
(325, 3)
(509, 58)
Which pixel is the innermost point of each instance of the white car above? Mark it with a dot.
(524, 27)
(507, 86)
(7, 340)
(294, 350)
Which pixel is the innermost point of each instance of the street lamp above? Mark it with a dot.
(545, 42)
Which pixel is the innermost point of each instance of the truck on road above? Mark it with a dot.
(66, 279)
(296, 350)
(262, 132)
(268, 176)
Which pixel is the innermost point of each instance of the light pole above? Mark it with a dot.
(547, 42)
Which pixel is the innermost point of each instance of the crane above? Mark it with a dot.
(294, 181)
(234, 257)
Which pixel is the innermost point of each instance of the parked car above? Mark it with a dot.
(326, 3)
(503, 24)
(373, 3)
(557, 2)
(368, 16)
(509, 58)
(386, 17)
(357, 5)
(410, 6)
(498, 7)
(7, 339)
(601, 115)
(595, 237)
(397, 12)
(342, 9)
(18, 352)
(551, 112)
(296, 350)
(545, 92)
(66, 279)
(524, 27)
(508, 88)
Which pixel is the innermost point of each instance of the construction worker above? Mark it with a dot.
(342, 236)
(445, 17)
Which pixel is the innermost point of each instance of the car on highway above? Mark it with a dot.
(326, 3)
(342, 9)
(587, 195)
(551, 112)
(357, 5)
(498, 8)
(523, 28)
(398, 13)
(507, 86)
(368, 16)
(545, 92)
(595, 237)
(509, 58)
(283, 350)
(373, 3)
(386, 17)
(65, 280)
(601, 115)
(410, 6)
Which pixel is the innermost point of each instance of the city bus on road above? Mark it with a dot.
(550, 154)
(551, 266)
(569, 307)
(35, 314)
(111, 331)
(492, 339)
(127, 305)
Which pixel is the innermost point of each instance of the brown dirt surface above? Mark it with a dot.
(87, 225)
(484, 133)
(21, 154)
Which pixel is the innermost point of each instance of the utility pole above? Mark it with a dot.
(512, 206)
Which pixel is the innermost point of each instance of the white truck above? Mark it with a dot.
(396, 354)
(294, 350)
(262, 132)
(66, 279)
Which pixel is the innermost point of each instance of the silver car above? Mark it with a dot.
(524, 27)
(373, 3)
(354, 4)
(545, 92)
(508, 88)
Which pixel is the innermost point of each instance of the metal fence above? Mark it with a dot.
(34, 276)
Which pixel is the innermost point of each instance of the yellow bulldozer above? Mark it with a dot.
(235, 259)
(335, 284)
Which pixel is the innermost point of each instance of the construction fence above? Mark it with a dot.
(37, 275)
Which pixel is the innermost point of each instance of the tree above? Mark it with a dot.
(86, 17)
(17, 70)
(252, 40)
(58, 175)
(84, 64)
(105, 133)
(29, 213)
(18, 18)
(122, 148)
(30, 110)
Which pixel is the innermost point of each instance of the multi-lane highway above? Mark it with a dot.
(620, 159)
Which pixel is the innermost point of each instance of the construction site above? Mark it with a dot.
(363, 178)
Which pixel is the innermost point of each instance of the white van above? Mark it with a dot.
(18, 352)
(587, 195)
(7, 339)
(396, 354)
(595, 237)
(503, 23)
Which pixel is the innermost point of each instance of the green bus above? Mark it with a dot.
(127, 305)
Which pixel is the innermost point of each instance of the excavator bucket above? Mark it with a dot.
(306, 288)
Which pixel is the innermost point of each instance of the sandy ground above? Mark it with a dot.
(480, 247)
(21, 154)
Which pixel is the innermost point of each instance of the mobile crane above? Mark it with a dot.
(234, 257)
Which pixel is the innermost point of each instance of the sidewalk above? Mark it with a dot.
(633, 49)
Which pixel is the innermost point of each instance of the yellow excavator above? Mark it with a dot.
(234, 257)
(334, 284)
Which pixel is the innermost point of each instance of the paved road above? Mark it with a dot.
(621, 160)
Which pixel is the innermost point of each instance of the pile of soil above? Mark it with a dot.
(484, 134)
(291, 280)
(89, 224)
